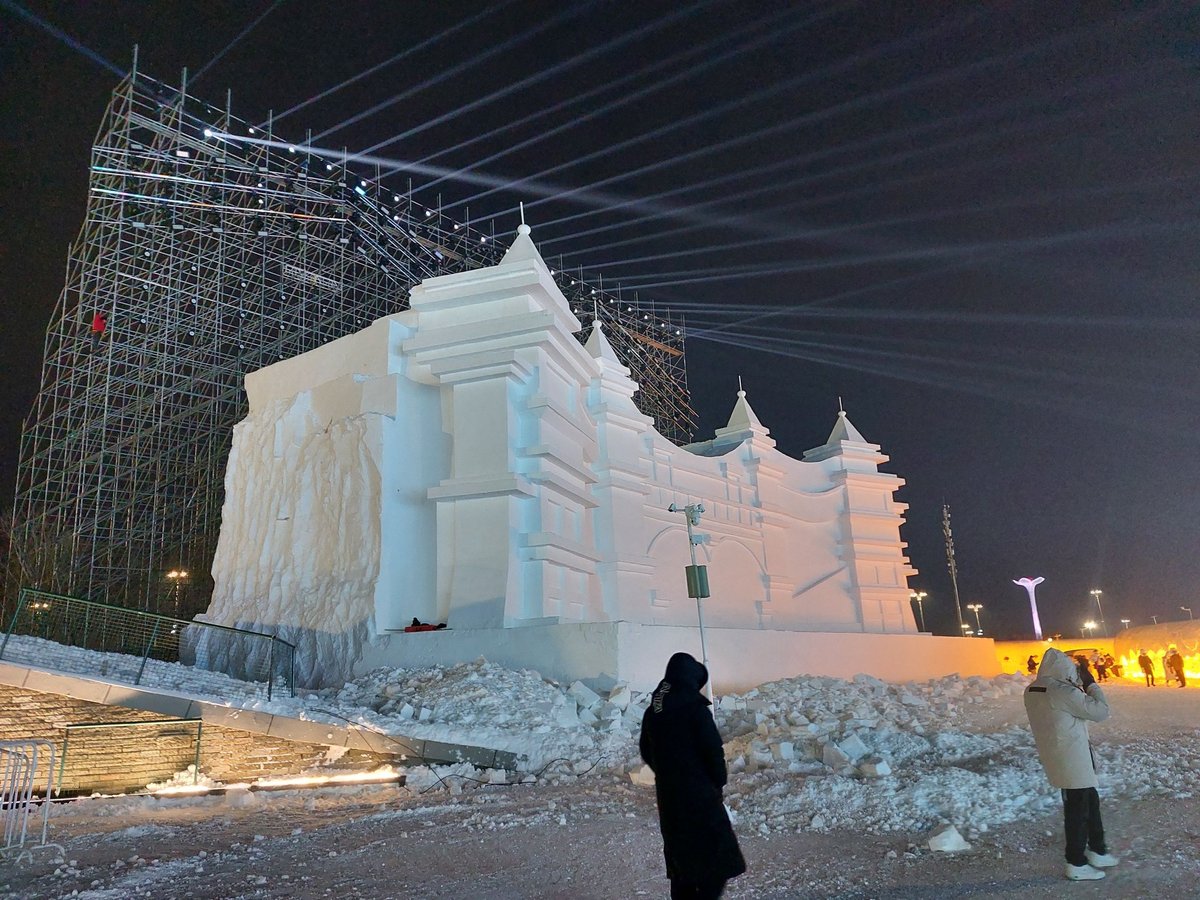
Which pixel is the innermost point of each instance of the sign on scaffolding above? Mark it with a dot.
(26, 772)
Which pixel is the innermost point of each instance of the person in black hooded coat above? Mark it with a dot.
(680, 743)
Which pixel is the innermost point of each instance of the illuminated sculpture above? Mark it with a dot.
(1030, 585)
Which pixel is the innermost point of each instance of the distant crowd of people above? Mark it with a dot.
(1104, 665)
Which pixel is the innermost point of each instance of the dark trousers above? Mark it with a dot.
(1149, 673)
(691, 890)
(1081, 819)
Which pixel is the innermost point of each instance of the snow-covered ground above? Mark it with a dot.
(836, 786)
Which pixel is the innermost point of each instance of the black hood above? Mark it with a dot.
(686, 673)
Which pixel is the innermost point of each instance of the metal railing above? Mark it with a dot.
(49, 631)
(26, 770)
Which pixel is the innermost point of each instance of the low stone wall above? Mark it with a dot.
(124, 759)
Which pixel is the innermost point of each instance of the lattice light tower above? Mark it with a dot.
(209, 258)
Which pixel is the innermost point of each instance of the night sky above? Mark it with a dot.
(975, 223)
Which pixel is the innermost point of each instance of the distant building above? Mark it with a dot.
(468, 461)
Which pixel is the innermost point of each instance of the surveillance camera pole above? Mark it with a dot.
(697, 579)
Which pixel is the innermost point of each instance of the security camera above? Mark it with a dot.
(672, 508)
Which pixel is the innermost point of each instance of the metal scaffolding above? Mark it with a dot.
(202, 258)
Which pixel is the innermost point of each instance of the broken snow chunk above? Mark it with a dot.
(834, 757)
(783, 750)
(608, 711)
(583, 695)
(948, 840)
(566, 715)
(874, 767)
(643, 776)
(853, 747)
(620, 696)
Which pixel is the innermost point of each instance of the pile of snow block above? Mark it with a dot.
(621, 709)
(861, 728)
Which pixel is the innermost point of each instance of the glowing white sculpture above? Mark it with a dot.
(1030, 585)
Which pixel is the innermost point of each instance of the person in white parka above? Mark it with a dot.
(1060, 703)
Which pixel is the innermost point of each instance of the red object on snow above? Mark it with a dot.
(99, 323)
(411, 628)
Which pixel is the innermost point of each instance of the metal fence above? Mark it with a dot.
(49, 631)
(26, 770)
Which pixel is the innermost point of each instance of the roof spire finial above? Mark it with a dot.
(522, 228)
(741, 390)
(841, 409)
(595, 313)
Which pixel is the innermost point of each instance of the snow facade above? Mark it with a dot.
(469, 461)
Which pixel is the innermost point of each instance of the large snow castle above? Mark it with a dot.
(468, 461)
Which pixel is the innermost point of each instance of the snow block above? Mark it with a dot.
(834, 757)
(620, 696)
(874, 767)
(948, 840)
(607, 711)
(583, 695)
(642, 776)
(566, 715)
(853, 747)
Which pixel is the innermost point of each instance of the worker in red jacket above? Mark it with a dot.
(99, 326)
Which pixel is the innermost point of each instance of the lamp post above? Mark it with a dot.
(919, 596)
(697, 577)
(1188, 610)
(1096, 592)
(976, 609)
(1088, 628)
(177, 577)
(1125, 622)
(1030, 585)
(966, 629)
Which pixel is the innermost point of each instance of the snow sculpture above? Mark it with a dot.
(469, 461)
(1030, 585)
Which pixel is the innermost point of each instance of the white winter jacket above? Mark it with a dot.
(1059, 711)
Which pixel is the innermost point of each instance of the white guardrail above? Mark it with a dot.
(26, 769)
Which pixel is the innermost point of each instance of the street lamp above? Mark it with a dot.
(975, 608)
(1096, 592)
(177, 577)
(919, 596)
(966, 629)
(1088, 628)
(1125, 622)
(1188, 610)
